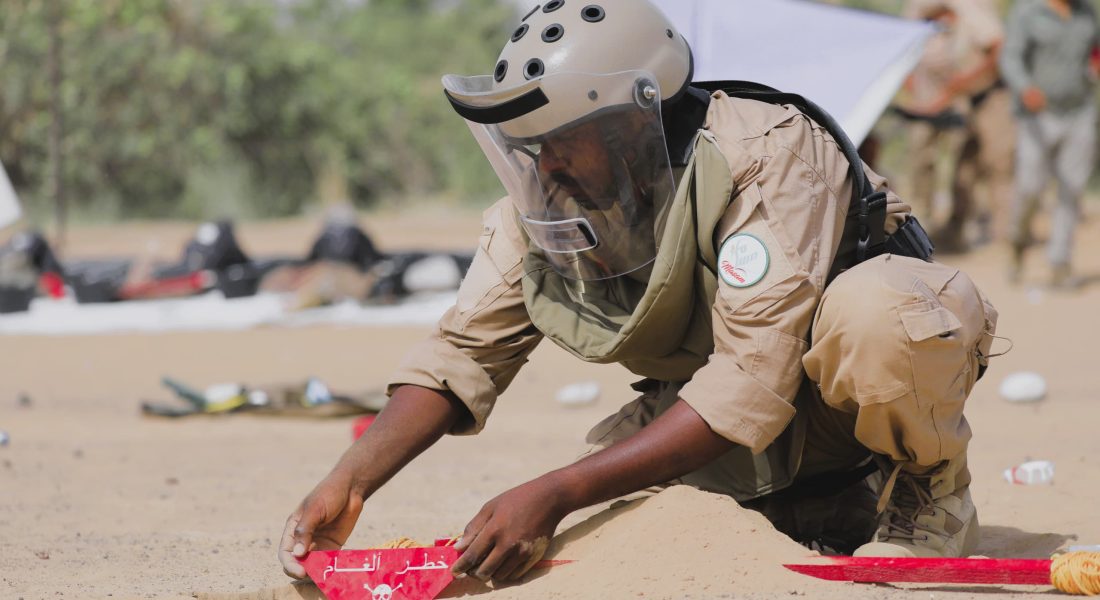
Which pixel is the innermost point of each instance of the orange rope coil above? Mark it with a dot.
(405, 542)
(401, 542)
(1076, 573)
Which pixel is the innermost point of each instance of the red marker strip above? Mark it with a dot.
(927, 570)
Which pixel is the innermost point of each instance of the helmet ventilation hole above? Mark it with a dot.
(553, 5)
(668, 32)
(534, 68)
(593, 95)
(552, 33)
(528, 15)
(520, 31)
(593, 13)
(500, 71)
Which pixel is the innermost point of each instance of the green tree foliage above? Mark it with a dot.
(207, 107)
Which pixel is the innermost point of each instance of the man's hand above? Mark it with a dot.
(511, 532)
(412, 421)
(1034, 99)
(323, 521)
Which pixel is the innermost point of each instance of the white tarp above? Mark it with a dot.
(210, 312)
(850, 62)
(9, 203)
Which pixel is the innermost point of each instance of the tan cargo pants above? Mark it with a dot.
(896, 347)
(987, 157)
(926, 145)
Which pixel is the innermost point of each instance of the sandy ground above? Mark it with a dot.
(98, 502)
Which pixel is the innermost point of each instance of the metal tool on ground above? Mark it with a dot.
(1075, 573)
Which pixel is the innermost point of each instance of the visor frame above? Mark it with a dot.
(621, 215)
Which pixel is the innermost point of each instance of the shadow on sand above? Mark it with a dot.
(559, 549)
(999, 541)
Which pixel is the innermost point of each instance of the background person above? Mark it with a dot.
(1051, 64)
(934, 116)
(962, 74)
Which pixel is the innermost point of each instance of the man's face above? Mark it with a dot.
(576, 164)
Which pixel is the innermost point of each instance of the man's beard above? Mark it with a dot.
(562, 184)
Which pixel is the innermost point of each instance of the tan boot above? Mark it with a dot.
(926, 514)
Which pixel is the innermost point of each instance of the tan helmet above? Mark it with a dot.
(560, 37)
(601, 36)
(570, 120)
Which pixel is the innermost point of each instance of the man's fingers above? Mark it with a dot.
(290, 564)
(287, 541)
(488, 567)
(303, 532)
(476, 551)
(297, 538)
(510, 570)
(473, 528)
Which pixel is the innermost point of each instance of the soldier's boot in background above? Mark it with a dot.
(925, 514)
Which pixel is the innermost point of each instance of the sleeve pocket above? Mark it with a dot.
(777, 364)
(497, 266)
(480, 279)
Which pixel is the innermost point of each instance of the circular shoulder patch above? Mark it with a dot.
(743, 260)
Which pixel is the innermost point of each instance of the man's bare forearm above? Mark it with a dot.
(413, 420)
(675, 444)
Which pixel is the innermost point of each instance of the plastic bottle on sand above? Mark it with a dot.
(579, 394)
(1032, 472)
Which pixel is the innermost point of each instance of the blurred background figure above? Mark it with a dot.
(933, 130)
(956, 99)
(1051, 63)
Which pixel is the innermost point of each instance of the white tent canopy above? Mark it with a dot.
(9, 203)
(848, 61)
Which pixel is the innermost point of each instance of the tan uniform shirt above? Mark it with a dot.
(959, 49)
(792, 194)
(980, 28)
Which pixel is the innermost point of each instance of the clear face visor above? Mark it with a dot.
(588, 171)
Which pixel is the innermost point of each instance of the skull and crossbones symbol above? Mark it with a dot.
(382, 592)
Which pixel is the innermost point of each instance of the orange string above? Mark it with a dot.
(401, 542)
(404, 542)
(1076, 573)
